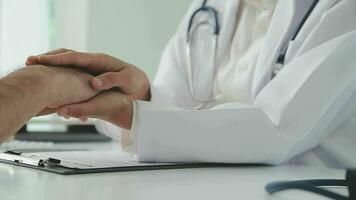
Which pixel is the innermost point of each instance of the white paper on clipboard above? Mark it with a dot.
(93, 159)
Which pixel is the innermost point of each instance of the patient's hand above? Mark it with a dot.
(62, 85)
(25, 92)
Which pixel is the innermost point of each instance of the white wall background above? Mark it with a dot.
(70, 24)
(23, 31)
(133, 30)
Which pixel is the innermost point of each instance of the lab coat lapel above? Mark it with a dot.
(336, 17)
(302, 43)
(276, 35)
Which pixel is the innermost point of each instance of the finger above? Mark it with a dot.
(110, 106)
(110, 80)
(56, 51)
(47, 111)
(32, 60)
(94, 107)
(90, 61)
(104, 104)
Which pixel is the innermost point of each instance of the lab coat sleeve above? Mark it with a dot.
(289, 116)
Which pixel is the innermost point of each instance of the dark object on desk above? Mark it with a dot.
(351, 181)
(75, 133)
(315, 186)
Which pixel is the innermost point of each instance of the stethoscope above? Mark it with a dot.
(213, 22)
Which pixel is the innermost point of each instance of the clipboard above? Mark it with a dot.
(58, 163)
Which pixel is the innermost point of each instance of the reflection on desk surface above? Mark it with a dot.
(205, 183)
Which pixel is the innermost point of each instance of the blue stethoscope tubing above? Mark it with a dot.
(211, 11)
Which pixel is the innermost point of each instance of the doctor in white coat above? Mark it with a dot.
(259, 109)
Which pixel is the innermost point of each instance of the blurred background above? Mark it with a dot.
(133, 30)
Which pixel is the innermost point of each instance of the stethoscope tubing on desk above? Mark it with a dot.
(315, 185)
(310, 186)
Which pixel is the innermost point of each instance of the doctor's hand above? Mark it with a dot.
(113, 74)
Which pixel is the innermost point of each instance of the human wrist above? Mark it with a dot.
(123, 116)
(28, 82)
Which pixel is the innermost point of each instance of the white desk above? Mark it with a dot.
(203, 183)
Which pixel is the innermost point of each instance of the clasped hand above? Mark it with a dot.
(117, 84)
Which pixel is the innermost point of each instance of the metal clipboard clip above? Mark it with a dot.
(28, 160)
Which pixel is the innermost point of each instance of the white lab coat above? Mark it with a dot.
(310, 103)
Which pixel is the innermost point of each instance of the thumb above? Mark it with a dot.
(110, 80)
